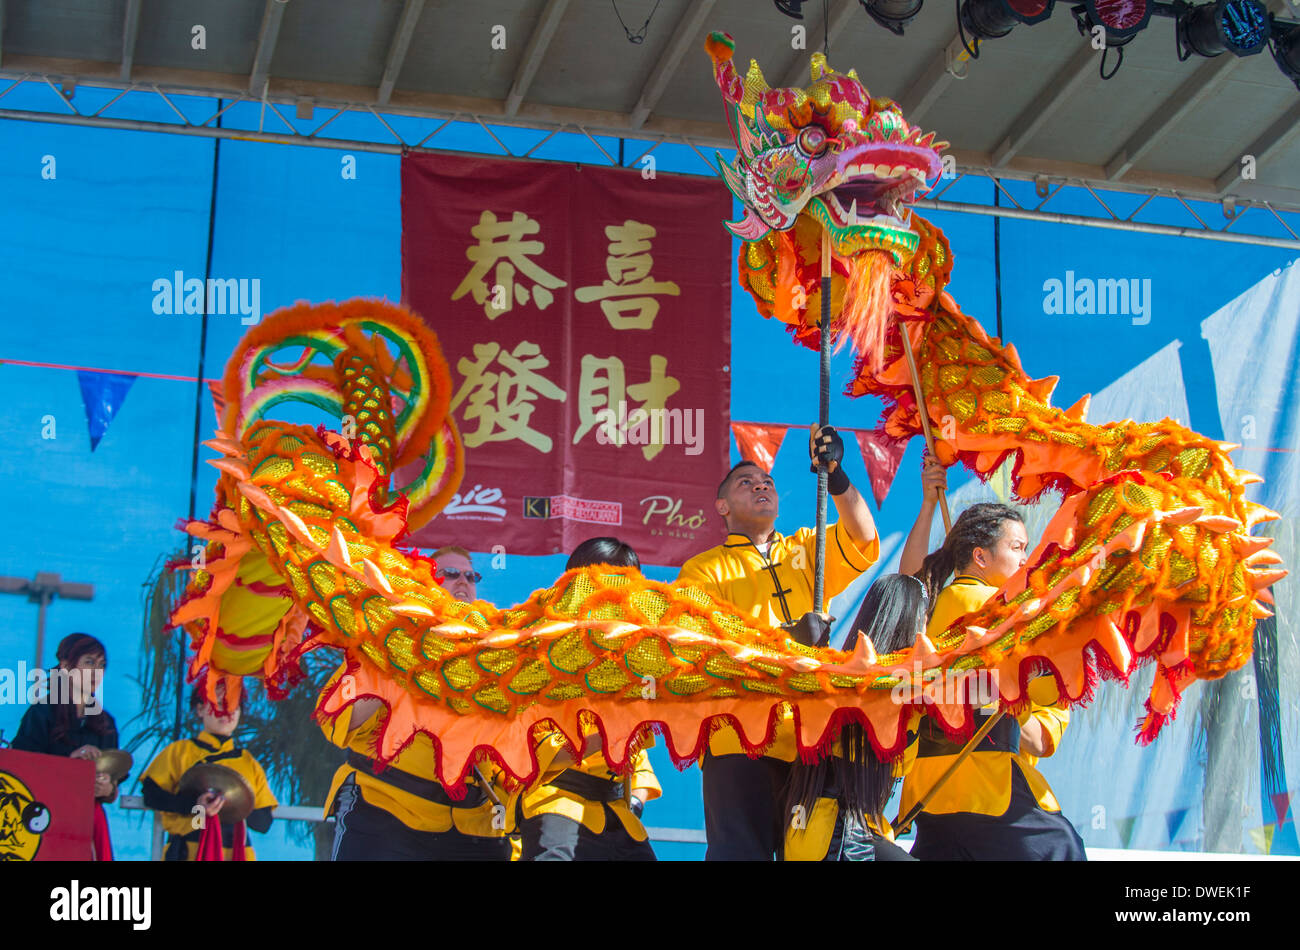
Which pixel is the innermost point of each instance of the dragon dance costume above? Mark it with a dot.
(302, 545)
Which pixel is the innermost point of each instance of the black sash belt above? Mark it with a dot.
(1004, 737)
(590, 787)
(419, 787)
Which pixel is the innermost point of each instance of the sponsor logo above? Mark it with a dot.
(574, 509)
(477, 504)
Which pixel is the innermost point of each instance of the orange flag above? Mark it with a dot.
(759, 442)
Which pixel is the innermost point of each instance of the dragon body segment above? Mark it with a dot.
(1150, 556)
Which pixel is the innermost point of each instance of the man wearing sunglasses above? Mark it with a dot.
(456, 573)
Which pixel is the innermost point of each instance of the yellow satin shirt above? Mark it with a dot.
(544, 799)
(488, 820)
(177, 758)
(982, 783)
(772, 588)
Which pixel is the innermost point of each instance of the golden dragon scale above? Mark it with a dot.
(1149, 558)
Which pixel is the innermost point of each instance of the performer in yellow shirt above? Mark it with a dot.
(214, 744)
(770, 577)
(838, 804)
(581, 811)
(997, 806)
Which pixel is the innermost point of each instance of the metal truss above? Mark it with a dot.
(274, 128)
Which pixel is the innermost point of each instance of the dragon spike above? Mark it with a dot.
(926, 140)
(1248, 478)
(295, 524)
(225, 446)
(864, 652)
(336, 552)
(940, 146)
(1262, 557)
(1079, 411)
(256, 496)
(1259, 611)
(375, 576)
(1219, 524)
(1257, 514)
(227, 518)
(1261, 579)
(1246, 545)
(1179, 516)
(411, 609)
(853, 74)
(1265, 595)
(233, 467)
(755, 84)
(1226, 447)
(923, 651)
(976, 637)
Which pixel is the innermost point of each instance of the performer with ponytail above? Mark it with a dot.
(840, 801)
(996, 806)
(580, 810)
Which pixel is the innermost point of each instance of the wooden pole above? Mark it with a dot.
(903, 822)
(925, 419)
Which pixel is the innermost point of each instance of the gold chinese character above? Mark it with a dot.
(628, 266)
(502, 243)
(502, 403)
(603, 402)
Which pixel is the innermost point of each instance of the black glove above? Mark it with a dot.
(812, 629)
(829, 447)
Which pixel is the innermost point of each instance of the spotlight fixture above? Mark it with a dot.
(893, 15)
(1286, 51)
(1240, 27)
(1122, 18)
(992, 19)
(793, 8)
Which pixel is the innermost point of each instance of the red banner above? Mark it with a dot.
(45, 807)
(585, 315)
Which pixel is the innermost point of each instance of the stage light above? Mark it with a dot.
(1286, 52)
(992, 19)
(792, 8)
(893, 15)
(1237, 26)
(1123, 19)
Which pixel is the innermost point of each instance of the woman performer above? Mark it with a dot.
(577, 811)
(215, 744)
(73, 722)
(996, 806)
(837, 806)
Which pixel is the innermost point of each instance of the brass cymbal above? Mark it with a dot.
(115, 763)
(211, 776)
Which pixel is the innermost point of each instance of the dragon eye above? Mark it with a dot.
(812, 140)
(36, 817)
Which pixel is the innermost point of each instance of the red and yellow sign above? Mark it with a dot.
(585, 315)
(45, 807)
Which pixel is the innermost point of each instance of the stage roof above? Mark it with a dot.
(1032, 105)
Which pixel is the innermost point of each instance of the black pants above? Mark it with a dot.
(557, 838)
(743, 798)
(363, 832)
(1024, 833)
(852, 842)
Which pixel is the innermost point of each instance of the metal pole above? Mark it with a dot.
(823, 419)
(45, 597)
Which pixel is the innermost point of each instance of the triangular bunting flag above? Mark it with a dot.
(218, 399)
(1174, 821)
(1125, 826)
(759, 442)
(1262, 838)
(1281, 806)
(102, 394)
(881, 454)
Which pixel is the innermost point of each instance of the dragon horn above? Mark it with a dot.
(721, 48)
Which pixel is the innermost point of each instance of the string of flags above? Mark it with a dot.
(759, 443)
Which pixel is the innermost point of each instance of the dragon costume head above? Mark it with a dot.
(826, 157)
